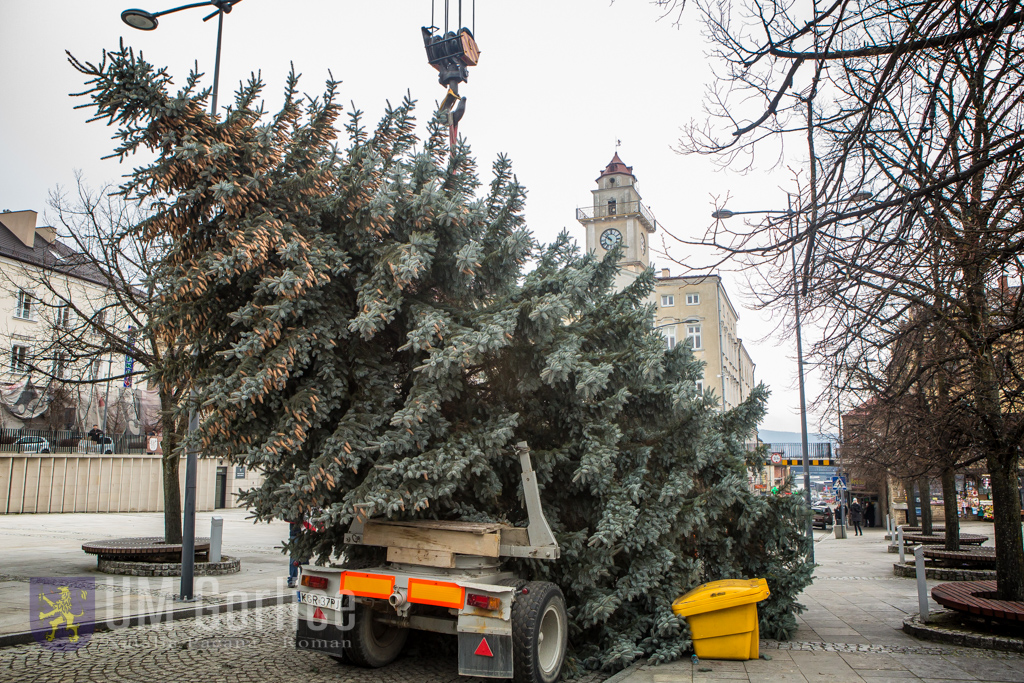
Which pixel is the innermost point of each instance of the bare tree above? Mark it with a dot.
(920, 424)
(97, 288)
(921, 104)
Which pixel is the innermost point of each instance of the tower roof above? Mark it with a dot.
(615, 166)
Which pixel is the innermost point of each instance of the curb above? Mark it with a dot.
(23, 637)
(957, 636)
(625, 673)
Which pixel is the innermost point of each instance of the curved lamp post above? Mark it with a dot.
(148, 21)
(723, 214)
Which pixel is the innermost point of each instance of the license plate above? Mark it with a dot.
(328, 601)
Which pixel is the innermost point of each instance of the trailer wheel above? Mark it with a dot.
(374, 644)
(540, 632)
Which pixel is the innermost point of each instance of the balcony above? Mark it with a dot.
(591, 213)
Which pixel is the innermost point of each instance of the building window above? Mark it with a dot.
(700, 387)
(96, 369)
(58, 365)
(693, 334)
(23, 308)
(62, 317)
(611, 207)
(692, 299)
(240, 472)
(670, 336)
(19, 358)
(99, 322)
(668, 300)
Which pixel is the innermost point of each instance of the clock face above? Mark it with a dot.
(643, 244)
(610, 237)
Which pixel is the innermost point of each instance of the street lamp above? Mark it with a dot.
(147, 21)
(722, 214)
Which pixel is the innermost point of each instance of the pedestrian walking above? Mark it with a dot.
(869, 514)
(856, 517)
(294, 529)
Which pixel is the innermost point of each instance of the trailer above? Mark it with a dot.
(445, 577)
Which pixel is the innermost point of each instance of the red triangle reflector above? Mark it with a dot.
(319, 614)
(483, 649)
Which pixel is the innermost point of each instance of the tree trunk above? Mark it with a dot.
(925, 489)
(1008, 538)
(172, 484)
(951, 508)
(908, 486)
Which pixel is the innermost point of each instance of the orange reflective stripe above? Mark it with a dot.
(367, 585)
(440, 593)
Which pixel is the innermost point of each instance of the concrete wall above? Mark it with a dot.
(109, 483)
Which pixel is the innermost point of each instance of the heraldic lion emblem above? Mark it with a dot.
(62, 611)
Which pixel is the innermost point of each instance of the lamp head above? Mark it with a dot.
(861, 196)
(722, 214)
(140, 19)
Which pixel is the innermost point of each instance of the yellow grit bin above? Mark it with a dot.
(723, 617)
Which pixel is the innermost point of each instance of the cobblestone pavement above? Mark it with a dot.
(255, 646)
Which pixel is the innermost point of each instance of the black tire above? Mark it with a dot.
(373, 644)
(540, 632)
(45, 450)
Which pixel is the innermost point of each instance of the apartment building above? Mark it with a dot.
(38, 275)
(697, 309)
(48, 401)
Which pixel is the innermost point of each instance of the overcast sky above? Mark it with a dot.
(558, 84)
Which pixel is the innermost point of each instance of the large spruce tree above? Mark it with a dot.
(371, 327)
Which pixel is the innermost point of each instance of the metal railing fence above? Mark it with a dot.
(25, 440)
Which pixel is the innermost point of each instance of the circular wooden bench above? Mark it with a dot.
(918, 529)
(935, 539)
(978, 598)
(972, 558)
(146, 549)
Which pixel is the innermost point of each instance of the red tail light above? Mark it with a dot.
(318, 582)
(483, 602)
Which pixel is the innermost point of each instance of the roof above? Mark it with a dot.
(615, 166)
(54, 255)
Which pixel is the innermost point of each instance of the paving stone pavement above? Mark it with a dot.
(37, 545)
(850, 631)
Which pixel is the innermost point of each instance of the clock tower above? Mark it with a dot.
(617, 216)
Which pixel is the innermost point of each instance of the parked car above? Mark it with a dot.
(32, 444)
(105, 446)
(822, 516)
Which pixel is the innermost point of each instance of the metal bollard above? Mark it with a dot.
(922, 585)
(899, 542)
(216, 538)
